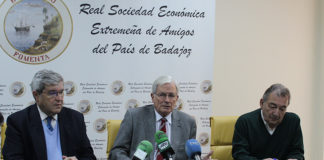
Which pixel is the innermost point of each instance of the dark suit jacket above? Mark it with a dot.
(25, 137)
(139, 124)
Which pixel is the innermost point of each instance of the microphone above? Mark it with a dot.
(193, 149)
(164, 145)
(143, 149)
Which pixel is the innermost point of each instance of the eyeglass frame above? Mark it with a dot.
(53, 93)
(165, 95)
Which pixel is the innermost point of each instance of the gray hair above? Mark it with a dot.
(161, 81)
(45, 78)
(279, 89)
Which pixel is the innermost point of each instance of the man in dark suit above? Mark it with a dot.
(143, 122)
(47, 130)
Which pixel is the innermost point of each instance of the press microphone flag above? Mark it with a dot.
(143, 149)
(163, 145)
(193, 149)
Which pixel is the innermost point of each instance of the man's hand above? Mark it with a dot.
(207, 157)
(69, 158)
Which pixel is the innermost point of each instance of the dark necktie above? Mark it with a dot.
(162, 128)
(49, 123)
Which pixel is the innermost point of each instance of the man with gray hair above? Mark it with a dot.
(143, 122)
(46, 130)
(269, 133)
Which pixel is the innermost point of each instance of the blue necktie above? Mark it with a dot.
(49, 123)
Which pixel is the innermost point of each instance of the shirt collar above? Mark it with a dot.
(44, 115)
(266, 124)
(158, 116)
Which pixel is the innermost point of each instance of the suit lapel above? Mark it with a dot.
(37, 133)
(64, 131)
(175, 128)
(149, 120)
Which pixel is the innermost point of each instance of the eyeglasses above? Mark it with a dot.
(164, 95)
(54, 93)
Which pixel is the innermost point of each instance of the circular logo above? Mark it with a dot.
(132, 103)
(84, 106)
(99, 125)
(206, 86)
(203, 138)
(179, 104)
(117, 87)
(35, 31)
(69, 88)
(17, 89)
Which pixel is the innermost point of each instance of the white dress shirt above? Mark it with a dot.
(44, 116)
(267, 126)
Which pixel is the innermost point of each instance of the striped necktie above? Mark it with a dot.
(162, 128)
(163, 125)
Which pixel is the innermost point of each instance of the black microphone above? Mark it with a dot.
(193, 149)
(143, 149)
(164, 145)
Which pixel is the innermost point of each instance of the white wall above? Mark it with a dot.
(318, 131)
(261, 42)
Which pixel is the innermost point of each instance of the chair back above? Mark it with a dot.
(3, 136)
(222, 130)
(112, 129)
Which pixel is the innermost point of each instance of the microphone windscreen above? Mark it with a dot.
(145, 146)
(163, 144)
(143, 149)
(192, 148)
(160, 137)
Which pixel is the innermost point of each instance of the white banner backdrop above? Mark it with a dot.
(109, 53)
